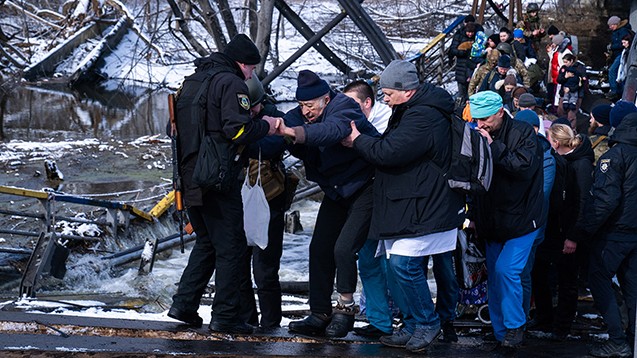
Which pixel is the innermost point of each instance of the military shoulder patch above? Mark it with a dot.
(604, 164)
(244, 101)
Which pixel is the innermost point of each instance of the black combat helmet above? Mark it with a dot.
(532, 7)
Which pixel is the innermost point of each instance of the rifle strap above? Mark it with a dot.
(599, 140)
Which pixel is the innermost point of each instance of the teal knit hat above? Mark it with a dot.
(484, 104)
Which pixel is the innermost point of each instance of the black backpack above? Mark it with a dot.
(471, 167)
(216, 155)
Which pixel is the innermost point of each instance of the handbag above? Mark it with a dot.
(216, 168)
(272, 177)
(256, 211)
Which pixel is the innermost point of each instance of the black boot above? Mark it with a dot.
(370, 331)
(342, 320)
(341, 325)
(513, 338)
(448, 333)
(231, 328)
(312, 325)
(190, 318)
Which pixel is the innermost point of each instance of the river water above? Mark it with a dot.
(36, 113)
(45, 115)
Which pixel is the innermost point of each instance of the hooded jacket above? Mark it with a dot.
(609, 213)
(411, 197)
(338, 170)
(513, 207)
(227, 112)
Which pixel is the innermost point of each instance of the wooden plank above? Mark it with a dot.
(433, 42)
(12, 190)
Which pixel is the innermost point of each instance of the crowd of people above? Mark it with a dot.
(560, 201)
(532, 59)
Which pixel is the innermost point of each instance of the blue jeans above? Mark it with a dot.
(612, 74)
(446, 285)
(412, 291)
(375, 278)
(505, 262)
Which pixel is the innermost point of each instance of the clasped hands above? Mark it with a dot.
(278, 127)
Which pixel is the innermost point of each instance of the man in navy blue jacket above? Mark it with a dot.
(316, 128)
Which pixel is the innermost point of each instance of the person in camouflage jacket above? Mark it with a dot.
(482, 71)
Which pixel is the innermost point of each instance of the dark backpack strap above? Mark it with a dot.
(198, 103)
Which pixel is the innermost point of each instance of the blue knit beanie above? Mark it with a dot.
(518, 33)
(619, 111)
(484, 104)
(529, 117)
(310, 86)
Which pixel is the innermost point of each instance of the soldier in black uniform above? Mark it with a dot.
(266, 262)
(217, 217)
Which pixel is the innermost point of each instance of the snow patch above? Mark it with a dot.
(147, 253)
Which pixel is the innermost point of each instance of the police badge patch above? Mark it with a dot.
(604, 164)
(244, 101)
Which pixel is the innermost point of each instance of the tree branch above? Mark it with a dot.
(185, 30)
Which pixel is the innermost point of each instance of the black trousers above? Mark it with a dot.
(610, 258)
(340, 232)
(265, 267)
(566, 267)
(220, 245)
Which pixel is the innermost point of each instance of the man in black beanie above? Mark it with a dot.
(217, 216)
(316, 128)
(600, 128)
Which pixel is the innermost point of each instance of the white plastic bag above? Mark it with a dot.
(256, 212)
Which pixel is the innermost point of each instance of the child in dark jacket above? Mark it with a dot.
(570, 86)
(571, 76)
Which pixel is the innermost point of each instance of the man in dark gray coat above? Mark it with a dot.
(415, 213)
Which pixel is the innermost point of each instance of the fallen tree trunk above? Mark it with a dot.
(32, 15)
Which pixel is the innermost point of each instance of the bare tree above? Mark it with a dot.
(252, 17)
(228, 19)
(264, 29)
(185, 29)
(211, 23)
